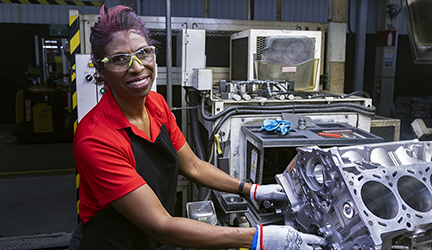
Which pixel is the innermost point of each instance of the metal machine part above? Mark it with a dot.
(374, 196)
(245, 90)
(277, 55)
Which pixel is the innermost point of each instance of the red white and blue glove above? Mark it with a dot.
(267, 192)
(283, 238)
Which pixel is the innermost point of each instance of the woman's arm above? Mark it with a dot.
(143, 208)
(206, 174)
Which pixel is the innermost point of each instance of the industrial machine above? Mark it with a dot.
(362, 194)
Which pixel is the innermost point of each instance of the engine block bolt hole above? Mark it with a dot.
(348, 210)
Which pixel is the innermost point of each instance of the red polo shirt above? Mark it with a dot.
(103, 151)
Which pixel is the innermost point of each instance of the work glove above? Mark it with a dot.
(267, 192)
(284, 238)
(276, 126)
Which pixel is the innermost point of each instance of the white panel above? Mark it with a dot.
(193, 53)
(86, 90)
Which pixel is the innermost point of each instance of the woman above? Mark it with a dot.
(129, 151)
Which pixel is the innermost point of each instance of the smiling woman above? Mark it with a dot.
(127, 77)
(129, 151)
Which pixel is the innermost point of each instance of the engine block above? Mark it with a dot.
(376, 196)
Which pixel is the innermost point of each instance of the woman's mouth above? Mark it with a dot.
(140, 83)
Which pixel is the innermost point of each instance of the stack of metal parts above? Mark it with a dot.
(375, 196)
(245, 90)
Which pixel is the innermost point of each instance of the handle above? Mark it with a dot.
(330, 135)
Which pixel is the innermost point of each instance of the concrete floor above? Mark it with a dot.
(37, 191)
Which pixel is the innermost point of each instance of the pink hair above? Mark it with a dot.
(112, 20)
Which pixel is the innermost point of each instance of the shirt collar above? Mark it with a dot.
(113, 111)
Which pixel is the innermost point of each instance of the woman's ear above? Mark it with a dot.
(100, 72)
(102, 76)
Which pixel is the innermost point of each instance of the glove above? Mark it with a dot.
(276, 126)
(267, 192)
(284, 238)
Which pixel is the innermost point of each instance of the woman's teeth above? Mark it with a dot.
(138, 82)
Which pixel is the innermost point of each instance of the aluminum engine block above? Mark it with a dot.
(376, 196)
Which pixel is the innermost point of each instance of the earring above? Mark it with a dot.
(103, 90)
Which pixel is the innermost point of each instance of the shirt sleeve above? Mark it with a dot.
(108, 169)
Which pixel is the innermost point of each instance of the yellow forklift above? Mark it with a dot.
(42, 110)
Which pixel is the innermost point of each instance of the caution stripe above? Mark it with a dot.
(75, 48)
(54, 2)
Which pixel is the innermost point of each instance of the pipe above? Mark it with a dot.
(295, 108)
(168, 54)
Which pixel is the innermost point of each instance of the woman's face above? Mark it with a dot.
(137, 80)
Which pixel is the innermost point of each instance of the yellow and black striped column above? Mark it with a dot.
(74, 42)
(54, 2)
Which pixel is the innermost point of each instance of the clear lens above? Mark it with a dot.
(122, 62)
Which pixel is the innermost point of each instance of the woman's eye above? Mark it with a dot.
(119, 59)
(141, 52)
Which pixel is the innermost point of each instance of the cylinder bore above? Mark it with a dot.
(415, 193)
(380, 200)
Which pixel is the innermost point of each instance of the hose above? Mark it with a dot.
(193, 113)
(203, 192)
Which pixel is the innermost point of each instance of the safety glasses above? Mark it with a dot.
(122, 62)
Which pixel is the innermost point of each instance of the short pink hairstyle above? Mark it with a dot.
(112, 20)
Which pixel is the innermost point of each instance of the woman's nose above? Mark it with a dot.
(135, 64)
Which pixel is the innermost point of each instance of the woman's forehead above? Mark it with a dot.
(125, 42)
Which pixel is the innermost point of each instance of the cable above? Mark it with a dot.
(358, 92)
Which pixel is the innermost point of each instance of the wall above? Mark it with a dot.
(291, 10)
